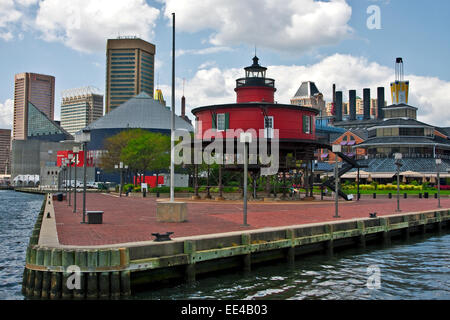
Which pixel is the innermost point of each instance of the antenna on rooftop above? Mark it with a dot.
(184, 79)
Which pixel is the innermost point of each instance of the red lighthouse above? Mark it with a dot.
(255, 87)
(255, 109)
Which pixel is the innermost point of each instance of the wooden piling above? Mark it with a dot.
(125, 283)
(384, 222)
(115, 276)
(24, 280)
(290, 252)
(30, 283)
(81, 262)
(68, 259)
(104, 261)
(246, 240)
(37, 284)
(362, 236)
(190, 249)
(92, 281)
(56, 277)
(329, 245)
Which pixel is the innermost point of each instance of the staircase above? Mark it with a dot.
(351, 163)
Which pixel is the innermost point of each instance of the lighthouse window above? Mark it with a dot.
(222, 121)
(306, 124)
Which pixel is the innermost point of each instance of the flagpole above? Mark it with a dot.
(172, 122)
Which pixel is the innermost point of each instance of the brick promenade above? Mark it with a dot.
(130, 219)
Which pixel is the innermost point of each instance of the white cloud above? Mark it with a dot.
(9, 15)
(207, 64)
(27, 3)
(7, 114)
(204, 51)
(294, 25)
(215, 86)
(84, 25)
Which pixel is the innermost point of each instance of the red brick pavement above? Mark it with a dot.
(130, 219)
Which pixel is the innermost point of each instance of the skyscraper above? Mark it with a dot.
(36, 88)
(80, 107)
(5, 143)
(129, 70)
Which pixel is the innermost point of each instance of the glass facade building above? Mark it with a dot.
(80, 107)
(37, 89)
(129, 70)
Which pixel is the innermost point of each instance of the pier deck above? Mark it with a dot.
(119, 256)
(131, 219)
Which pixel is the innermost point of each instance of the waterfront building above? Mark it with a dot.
(308, 95)
(80, 107)
(347, 140)
(130, 65)
(5, 154)
(139, 112)
(34, 88)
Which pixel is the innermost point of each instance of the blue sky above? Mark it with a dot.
(322, 41)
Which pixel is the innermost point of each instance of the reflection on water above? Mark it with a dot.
(18, 213)
(417, 269)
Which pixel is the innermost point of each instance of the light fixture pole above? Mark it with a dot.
(398, 163)
(120, 166)
(70, 156)
(84, 138)
(245, 139)
(76, 150)
(337, 148)
(438, 163)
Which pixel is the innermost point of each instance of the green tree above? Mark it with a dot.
(150, 151)
(114, 146)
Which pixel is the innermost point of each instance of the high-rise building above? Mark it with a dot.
(80, 107)
(308, 95)
(130, 65)
(5, 144)
(34, 88)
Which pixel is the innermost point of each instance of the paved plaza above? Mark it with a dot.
(133, 219)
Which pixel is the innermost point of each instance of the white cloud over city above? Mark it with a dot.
(430, 95)
(293, 25)
(84, 25)
(6, 114)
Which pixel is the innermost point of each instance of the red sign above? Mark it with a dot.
(150, 180)
(64, 154)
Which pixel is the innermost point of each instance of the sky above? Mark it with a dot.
(352, 43)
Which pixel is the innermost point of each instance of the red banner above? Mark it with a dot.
(64, 154)
(150, 180)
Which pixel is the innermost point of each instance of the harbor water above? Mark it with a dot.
(415, 269)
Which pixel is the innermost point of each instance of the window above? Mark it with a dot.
(306, 124)
(220, 121)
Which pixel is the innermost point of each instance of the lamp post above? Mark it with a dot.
(76, 150)
(245, 138)
(120, 166)
(438, 163)
(398, 163)
(70, 157)
(84, 138)
(337, 148)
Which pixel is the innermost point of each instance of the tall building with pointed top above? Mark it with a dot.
(308, 95)
(130, 68)
(37, 89)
